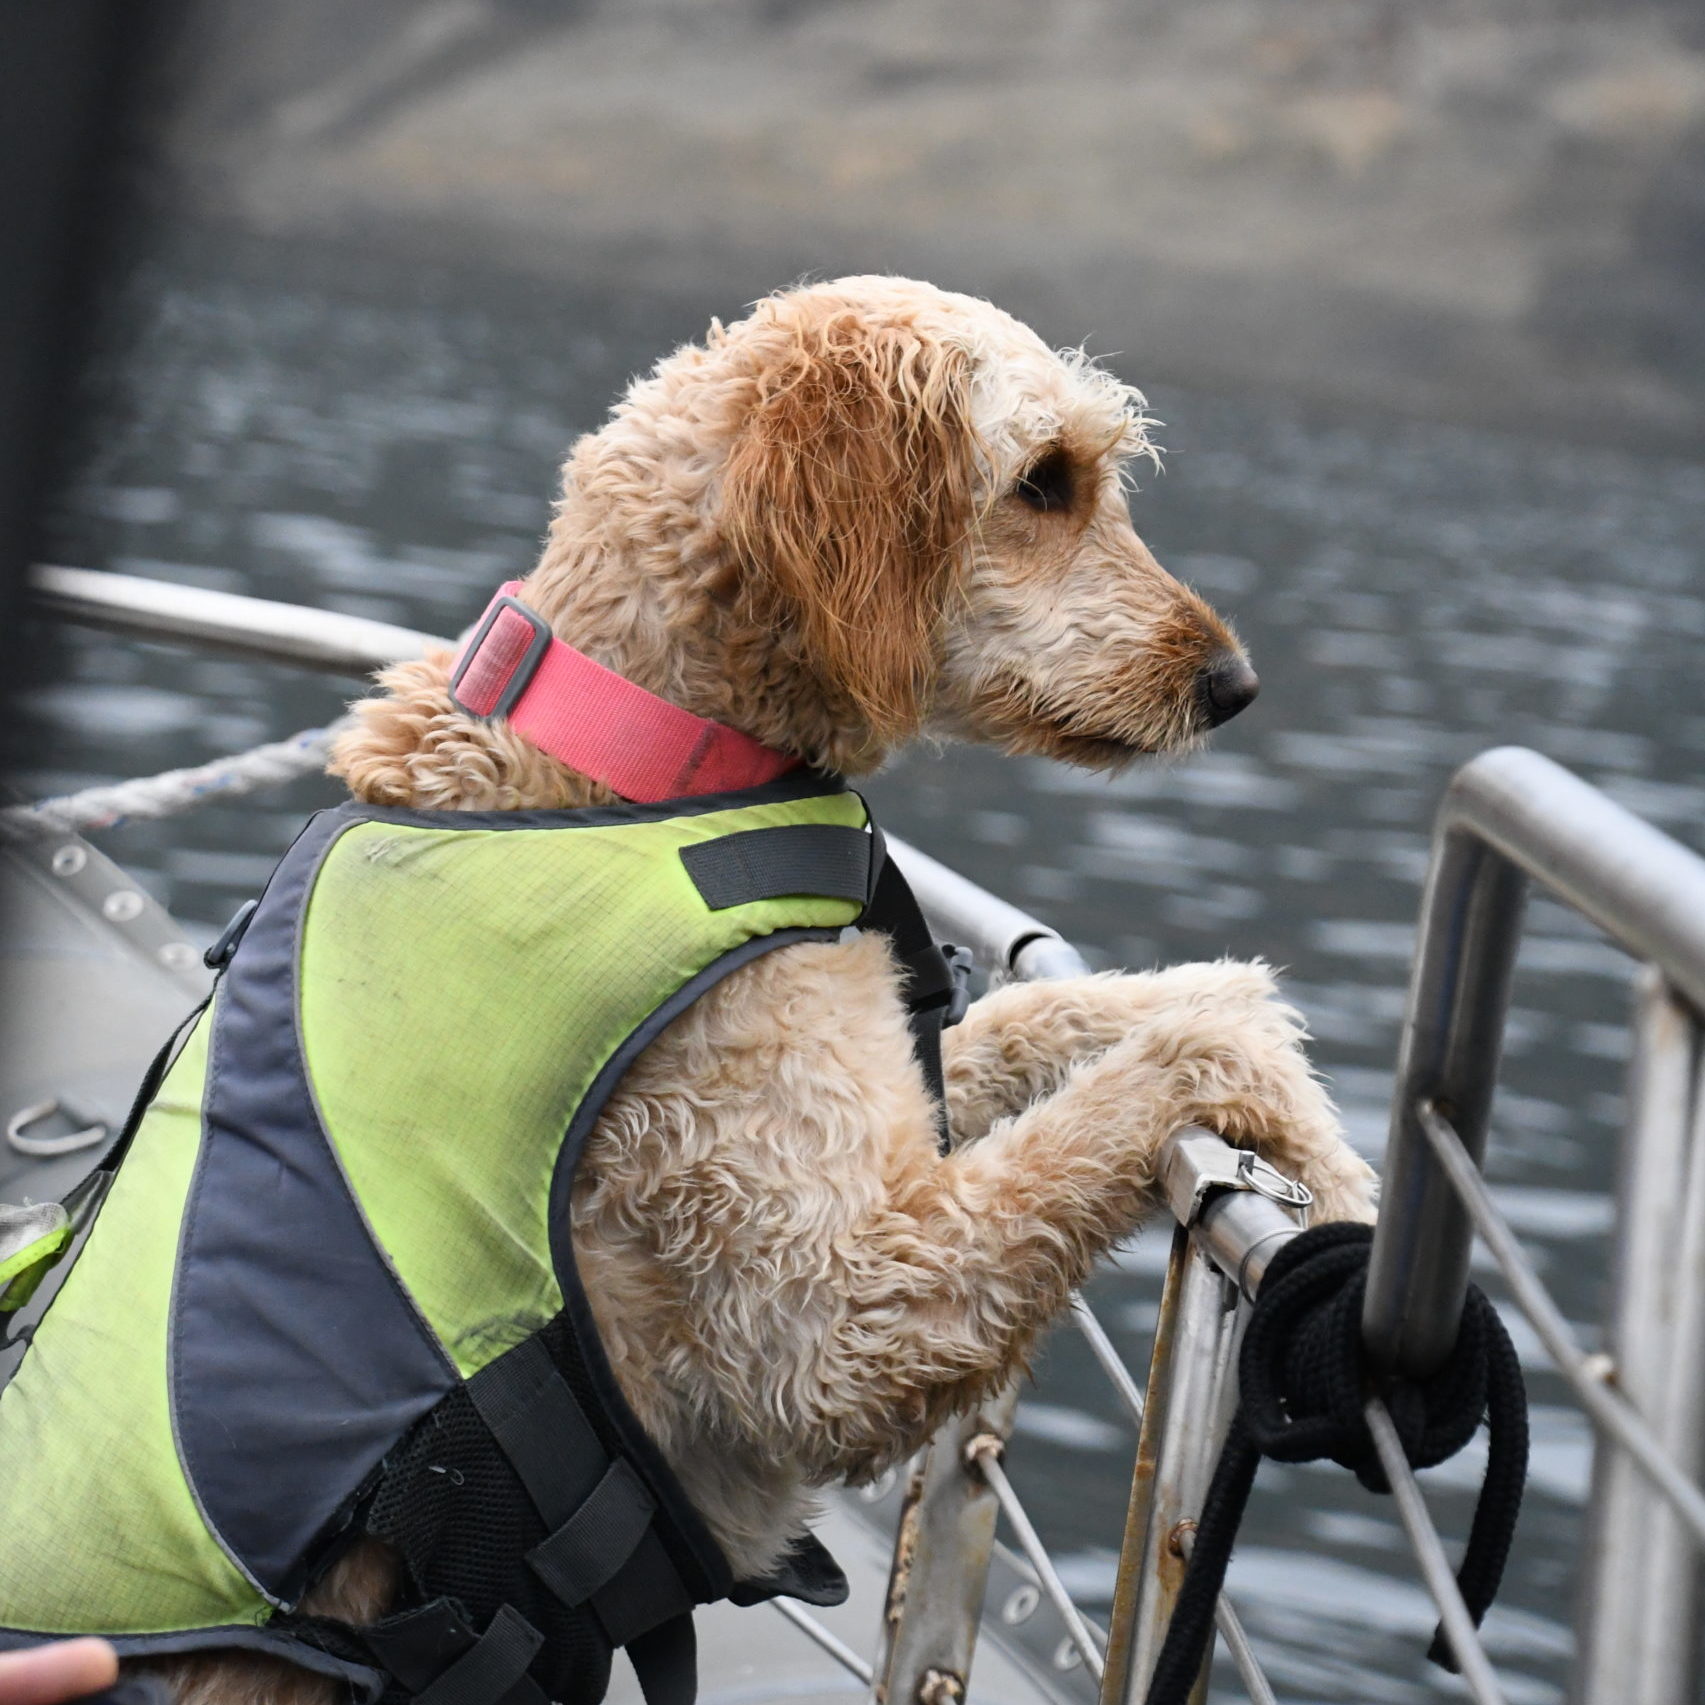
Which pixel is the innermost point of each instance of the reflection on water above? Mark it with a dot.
(1411, 594)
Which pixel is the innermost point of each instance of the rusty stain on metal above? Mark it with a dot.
(1172, 1570)
(900, 1573)
(941, 1563)
(941, 1687)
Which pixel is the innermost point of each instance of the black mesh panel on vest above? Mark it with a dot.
(462, 1523)
(451, 1504)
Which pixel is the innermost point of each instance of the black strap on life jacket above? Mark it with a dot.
(510, 1511)
(935, 985)
(847, 864)
(602, 1548)
(439, 1659)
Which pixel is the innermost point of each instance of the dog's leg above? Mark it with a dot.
(1018, 1043)
(948, 1282)
(820, 1286)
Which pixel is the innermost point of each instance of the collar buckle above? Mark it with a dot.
(498, 664)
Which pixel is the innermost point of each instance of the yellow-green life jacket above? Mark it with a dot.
(331, 1289)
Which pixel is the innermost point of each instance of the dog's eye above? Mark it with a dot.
(1046, 485)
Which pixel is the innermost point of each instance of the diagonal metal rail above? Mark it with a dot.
(1429, 1552)
(1605, 1406)
(1112, 1363)
(984, 1452)
(838, 1649)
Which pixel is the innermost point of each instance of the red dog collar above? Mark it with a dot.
(594, 720)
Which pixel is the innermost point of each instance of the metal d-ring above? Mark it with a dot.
(44, 1148)
(1254, 1173)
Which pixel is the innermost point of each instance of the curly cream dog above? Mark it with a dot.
(872, 511)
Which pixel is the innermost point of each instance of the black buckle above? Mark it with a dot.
(523, 671)
(960, 963)
(219, 955)
(432, 1652)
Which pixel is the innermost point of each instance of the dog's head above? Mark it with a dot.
(933, 505)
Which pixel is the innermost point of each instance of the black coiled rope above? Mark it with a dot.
(1302, 1384)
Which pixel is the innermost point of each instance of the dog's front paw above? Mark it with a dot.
(1238, 1066)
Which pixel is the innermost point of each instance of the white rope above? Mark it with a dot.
(176, 790)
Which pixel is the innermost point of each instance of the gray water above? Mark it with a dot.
(387, 445)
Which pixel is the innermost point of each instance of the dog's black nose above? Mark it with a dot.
(1225, 687)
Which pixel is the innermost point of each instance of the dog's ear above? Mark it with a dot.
(848, 497)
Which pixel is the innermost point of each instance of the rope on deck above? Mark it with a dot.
(174, 791)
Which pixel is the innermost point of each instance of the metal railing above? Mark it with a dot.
(1508, 818)
(1227, 1229)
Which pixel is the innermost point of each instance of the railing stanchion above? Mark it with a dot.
(1186, 1413)
(1638, 1592)
(940, 1570)
(1226, 1619)
(1507, 816)
(1228, 1225)
(1452, 1038)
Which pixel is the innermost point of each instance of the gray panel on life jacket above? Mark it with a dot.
(274, 1247)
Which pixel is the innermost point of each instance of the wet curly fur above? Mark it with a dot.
(871, 511)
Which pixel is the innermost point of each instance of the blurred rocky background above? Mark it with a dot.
(1492, 211)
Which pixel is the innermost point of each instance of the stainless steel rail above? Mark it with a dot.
(1228, 1230)
(1638, 1596)
(1005, 939)
(1508, 816)
(1511, 817)
(1224, 1225)
(224, 621)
